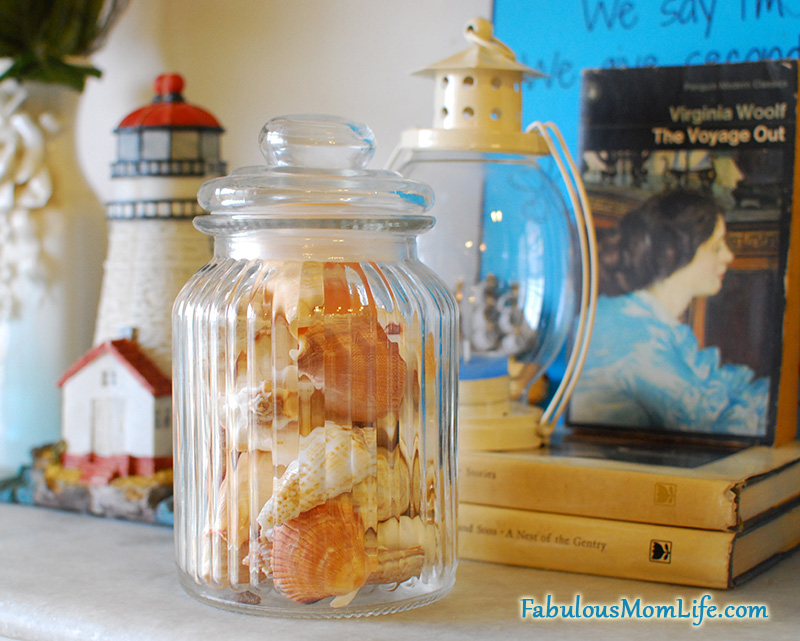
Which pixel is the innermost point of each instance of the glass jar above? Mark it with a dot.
(315, 379)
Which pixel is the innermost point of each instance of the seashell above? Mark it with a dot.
(258, 556)
(225, 543)
(320, 553)
(349, 355)
(359, 369)
(248, 470)
(222, 565)
(257, 359)
(261, 408)
(330, 461)
(396, 566)
(386, 494)
(257, 411)
(401, 533)
(296, 290)
(405, 533)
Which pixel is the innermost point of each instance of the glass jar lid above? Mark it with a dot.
(316, 167)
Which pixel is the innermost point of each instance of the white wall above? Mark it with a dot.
(249, 60)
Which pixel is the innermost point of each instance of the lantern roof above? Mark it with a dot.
(169, 109)
(477, 99)
(485, 52)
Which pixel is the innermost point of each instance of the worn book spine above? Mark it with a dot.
(788, 396)
(685, 556)
(583, 489)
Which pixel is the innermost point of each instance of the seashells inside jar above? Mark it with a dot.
(315, 381)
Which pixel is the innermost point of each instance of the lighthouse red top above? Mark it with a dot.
(169, 109)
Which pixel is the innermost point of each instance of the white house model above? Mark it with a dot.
(116, 413)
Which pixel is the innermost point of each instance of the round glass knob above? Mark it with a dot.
(316, 142)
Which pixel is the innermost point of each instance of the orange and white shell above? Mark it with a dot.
(320, 553)
(330, 461)
(359, 368)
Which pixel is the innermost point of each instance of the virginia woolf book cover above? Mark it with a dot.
(690, 173)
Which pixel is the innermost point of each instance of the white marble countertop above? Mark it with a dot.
(68, 577)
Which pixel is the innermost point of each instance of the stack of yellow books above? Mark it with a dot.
(691, 516)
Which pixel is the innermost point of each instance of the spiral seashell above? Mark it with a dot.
(331, 460)
(259, 408)
(320, 553)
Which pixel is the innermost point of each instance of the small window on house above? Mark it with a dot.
(109, 378)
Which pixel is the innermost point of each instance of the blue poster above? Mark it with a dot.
(561, 38)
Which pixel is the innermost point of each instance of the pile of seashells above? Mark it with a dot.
(316, 479)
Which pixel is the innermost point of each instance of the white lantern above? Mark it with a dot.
(516, 249)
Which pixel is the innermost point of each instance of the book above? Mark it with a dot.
(729, 132)
(622, 549)
(704, 488)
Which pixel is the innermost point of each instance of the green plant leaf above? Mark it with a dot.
(51, 70)
(39, 35)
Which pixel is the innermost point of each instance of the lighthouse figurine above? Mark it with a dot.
(116, 400)
(165, 151)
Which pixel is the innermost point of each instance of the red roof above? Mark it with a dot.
(169, 109)
(130, 354)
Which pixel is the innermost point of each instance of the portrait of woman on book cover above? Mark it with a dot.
(645, 368)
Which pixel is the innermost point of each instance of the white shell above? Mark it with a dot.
(331, 460)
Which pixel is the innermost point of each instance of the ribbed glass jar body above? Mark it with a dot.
(315, 457)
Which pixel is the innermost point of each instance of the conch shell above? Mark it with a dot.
(331, 460)
(320, 553)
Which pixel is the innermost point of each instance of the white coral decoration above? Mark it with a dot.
(25, 185)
